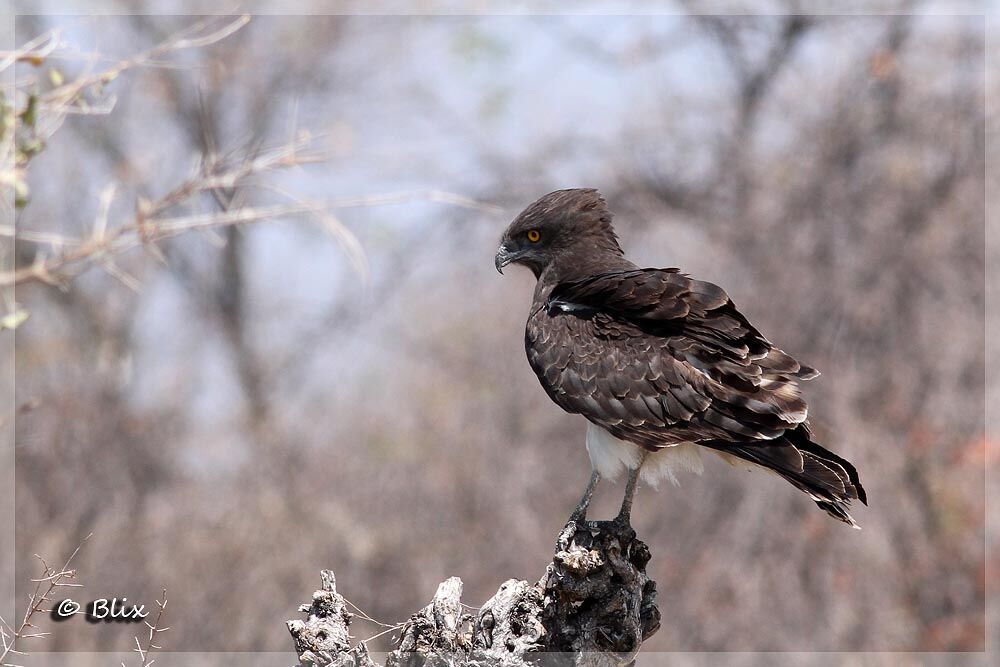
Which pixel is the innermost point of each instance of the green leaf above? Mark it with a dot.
(32, 147)
(21, 193)
(28, 116)
(14, 320)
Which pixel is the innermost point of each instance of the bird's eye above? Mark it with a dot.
(534, 236)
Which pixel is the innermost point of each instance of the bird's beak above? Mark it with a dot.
(504, 257)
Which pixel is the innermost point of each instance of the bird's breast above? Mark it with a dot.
(610, 456)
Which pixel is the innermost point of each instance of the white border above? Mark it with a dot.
(496, 7)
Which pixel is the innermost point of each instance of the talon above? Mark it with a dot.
(583, 523)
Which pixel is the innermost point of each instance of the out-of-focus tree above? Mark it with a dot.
(254, 392)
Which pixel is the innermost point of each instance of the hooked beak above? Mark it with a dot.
(505, 257)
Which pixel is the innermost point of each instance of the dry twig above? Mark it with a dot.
(45, 586)
(150, 223)
(154, 629)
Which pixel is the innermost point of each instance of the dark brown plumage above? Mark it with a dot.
(657, 358)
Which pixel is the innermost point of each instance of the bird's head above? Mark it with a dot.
(562, 224)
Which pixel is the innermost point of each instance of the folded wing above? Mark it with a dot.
(657, 358)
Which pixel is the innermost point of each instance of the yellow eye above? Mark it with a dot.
(534, 236)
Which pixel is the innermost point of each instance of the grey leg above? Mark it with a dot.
(625, 513)
(580, 513)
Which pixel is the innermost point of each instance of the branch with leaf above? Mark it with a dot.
(40, 105)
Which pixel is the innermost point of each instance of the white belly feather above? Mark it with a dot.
(610, 456)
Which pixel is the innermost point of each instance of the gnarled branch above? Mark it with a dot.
(593, 606)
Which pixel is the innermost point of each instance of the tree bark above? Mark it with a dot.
(594, 606)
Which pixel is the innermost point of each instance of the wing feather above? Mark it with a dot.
(658, 357)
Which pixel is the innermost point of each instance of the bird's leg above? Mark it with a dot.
(580, 513)
(625, 513)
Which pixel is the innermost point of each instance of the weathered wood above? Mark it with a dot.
(323, 638)
(594, 606)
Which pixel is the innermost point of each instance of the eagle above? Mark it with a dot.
(661, 365)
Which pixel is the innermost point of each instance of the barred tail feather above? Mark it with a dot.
(831, 481)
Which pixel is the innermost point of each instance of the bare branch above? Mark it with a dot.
(144, 650)
(45, 586)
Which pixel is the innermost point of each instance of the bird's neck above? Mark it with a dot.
(579, 265)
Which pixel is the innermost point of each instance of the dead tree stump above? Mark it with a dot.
(594, 606)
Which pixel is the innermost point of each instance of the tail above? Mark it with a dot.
(832, 482)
